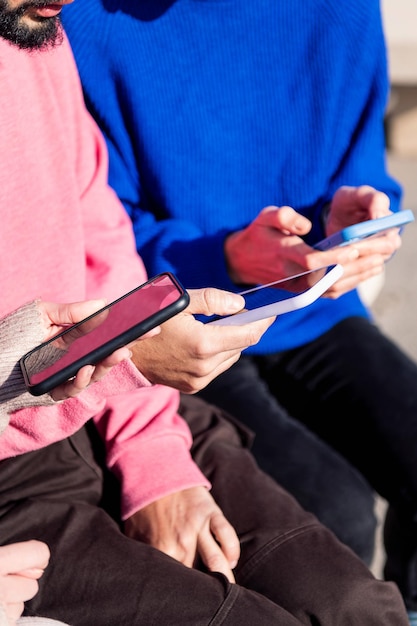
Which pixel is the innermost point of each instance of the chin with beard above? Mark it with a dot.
(41, 35)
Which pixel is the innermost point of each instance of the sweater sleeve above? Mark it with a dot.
(35, 427)
(147, 442)
(166, 243)
(19, 332)
(148, 446)
(363, 160)
(113, 265)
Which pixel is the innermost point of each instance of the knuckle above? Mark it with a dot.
(254, 335)
(189, 387)
(210, 297)
(214, 562)
(201, 352)
(310, 263)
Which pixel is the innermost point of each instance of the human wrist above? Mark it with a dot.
(20, 331)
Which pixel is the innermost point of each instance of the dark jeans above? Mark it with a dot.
(343, 404)
(292, 570)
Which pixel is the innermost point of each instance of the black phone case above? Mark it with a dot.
(103, 351)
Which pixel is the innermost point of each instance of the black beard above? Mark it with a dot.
(46, 33)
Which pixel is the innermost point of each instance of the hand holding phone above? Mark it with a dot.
(188, 353)
(282, 296)
(369, 228)
(97, 336)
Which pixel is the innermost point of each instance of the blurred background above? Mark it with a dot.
(394, 303)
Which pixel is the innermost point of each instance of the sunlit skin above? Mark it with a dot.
(37, 10)
(31, 24)
(272, 246)
(21, 565)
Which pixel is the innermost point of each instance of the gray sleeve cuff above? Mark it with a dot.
(20, 331)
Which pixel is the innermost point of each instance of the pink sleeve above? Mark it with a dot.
(148, 446)
(36, 427)
(113, 265)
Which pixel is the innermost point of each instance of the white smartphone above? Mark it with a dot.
(358, 231)
(282, 296)
(97, 336)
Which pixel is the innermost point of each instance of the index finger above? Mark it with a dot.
(382, 243)
(226, 537)
(233, 334)
(212, 555)
(376, 201)
(285, 219)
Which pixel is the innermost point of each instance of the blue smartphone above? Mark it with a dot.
(97, 336)
(359, 231)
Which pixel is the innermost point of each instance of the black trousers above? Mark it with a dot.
(334, 420)
(292, 570)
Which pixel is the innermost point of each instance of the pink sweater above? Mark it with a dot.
(65, 237)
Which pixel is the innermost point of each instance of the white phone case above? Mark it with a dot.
(293, 302)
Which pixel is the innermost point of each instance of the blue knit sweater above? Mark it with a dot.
(214, 109)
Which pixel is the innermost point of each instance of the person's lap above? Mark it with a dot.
(366, 388)
(221, 449)
(321, 480)
(355, 392)
(98, 576)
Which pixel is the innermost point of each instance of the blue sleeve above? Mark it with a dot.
(166, 243)
(364, 159)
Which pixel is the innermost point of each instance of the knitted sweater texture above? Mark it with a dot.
(64, 238)
(215, 109)
(20, 331)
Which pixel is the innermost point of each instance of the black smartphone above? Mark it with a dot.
(97, 336)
